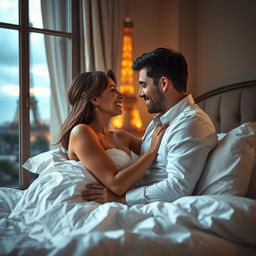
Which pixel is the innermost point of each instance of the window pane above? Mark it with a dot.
(50, 72)
(54, 15)
(9, 10)
(9, 110)
(39, 96)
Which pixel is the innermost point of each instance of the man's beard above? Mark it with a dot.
(156, 106)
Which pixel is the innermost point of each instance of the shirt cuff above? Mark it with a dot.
(136, 196)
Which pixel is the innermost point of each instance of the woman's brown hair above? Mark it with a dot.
(82, 89)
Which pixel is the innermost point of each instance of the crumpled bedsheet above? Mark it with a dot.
(50, 218)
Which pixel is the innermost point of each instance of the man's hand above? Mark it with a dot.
(100, 194)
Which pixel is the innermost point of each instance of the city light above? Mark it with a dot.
(130, 120)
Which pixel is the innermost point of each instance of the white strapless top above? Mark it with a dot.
(121, 158)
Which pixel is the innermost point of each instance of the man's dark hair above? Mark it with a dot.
(164, 62)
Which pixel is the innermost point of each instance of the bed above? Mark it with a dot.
(231, 105)
(218, 219)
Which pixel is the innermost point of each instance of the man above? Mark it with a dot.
(186, 143)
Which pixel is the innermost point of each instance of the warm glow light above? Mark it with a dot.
(135, 120)
(126, 66)
(32, 138)
(117, 122)
(126, 87)
(47, 136)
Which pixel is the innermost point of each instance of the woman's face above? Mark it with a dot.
(110, 101)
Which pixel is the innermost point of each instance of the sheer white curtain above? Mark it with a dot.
(58, 53)
(100, 47)
(101, 34)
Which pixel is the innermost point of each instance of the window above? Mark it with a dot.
(38, 58)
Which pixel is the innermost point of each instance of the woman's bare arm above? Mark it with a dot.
(85, 144)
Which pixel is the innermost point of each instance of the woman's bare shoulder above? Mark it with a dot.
(82, 131)
(82, 128)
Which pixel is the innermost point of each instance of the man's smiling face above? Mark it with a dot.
(151, 93)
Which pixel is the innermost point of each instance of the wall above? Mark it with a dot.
(187, 37)
(217, 37)
(225, 43)
(155, 25)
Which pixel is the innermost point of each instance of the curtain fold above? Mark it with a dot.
(58, 54)
(100, 47)
(101, 34)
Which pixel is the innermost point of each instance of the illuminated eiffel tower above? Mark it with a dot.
(130, 120)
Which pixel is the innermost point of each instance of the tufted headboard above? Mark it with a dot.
(231, 105)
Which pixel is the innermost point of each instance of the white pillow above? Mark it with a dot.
(229, 166)
(38, 163)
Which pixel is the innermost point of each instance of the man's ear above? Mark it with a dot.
(165, 82)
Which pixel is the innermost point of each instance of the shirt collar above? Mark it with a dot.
(174, 111)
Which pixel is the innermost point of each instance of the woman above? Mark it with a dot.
(53, 204)
(86, 134)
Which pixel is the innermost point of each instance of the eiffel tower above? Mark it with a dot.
(36, 122)
(39, 131)
(130, 120)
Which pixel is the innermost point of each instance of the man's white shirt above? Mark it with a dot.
(181, 157)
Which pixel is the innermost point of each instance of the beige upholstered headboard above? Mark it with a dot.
(231, 105)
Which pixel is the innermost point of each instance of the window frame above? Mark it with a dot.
(24, 76)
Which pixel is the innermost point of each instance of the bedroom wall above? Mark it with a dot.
(155, 25)
(217, 38)
(225, 43)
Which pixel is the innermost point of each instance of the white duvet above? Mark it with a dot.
(50, 218)
(202, 225)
